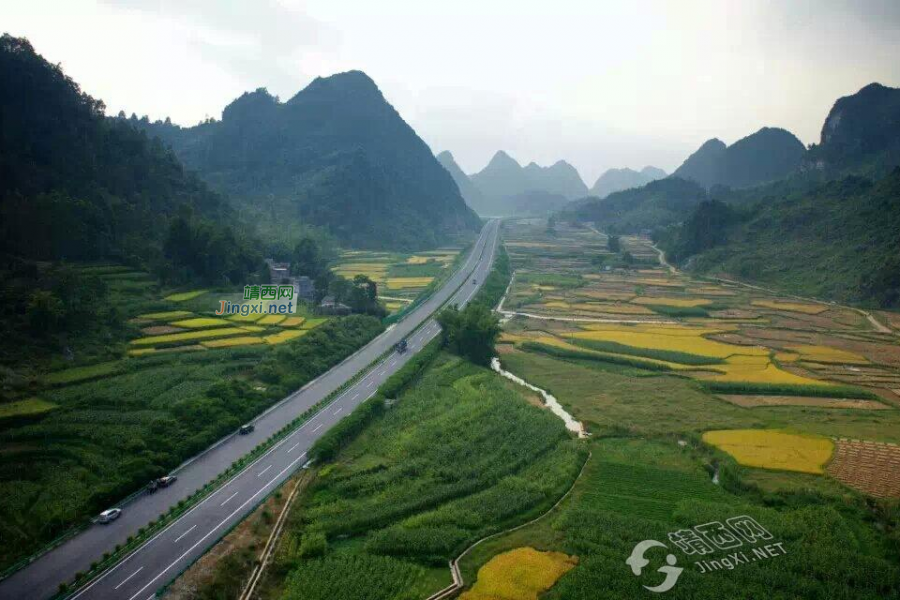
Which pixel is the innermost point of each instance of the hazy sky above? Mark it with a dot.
(600, 84)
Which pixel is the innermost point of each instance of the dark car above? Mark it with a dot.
(245, 429)
(167, 480)
(401, 346)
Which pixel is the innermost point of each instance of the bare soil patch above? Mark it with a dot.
(755, 401)
(161, 330)
(870, 467)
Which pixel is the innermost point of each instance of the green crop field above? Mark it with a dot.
(107, 429)
(634, 490)
(459, 455)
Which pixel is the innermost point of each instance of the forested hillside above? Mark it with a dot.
(861, 134)
(336, 155)
(767, 155)
(657, 204)
(830, 229)
(76, 186)
(838, 241)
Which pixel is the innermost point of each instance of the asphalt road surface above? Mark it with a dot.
(163, 557)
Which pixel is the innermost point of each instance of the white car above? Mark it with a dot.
(108, 516)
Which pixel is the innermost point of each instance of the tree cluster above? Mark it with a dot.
(471, 332)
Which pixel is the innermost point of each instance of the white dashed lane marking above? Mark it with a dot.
(185, 533)
(129, 577)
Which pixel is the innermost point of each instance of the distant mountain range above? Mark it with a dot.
(504, 185)
(470, 193)
(767, 155)
(336, 155)
(616, 180)
(831, 229)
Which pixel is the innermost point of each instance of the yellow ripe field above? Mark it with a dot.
(284, 336)
(809, 309)
(393, 305)
(251, 318)
(246, 340)
(201, 322)
(520, 574)
(271, 320)
(313, 323)
(759, 369)
(786, 357)
(376, 271)
(678, 302)
(28, 406)
(293, 322)
(668, 337)
(773, 449)
(186, 336)
(550, 340)
(399, 283)
(141, 351)
(166, 316)
(824, 354)
(252, 328)
(604, 295)
(183, 296)
(657, 281)
(417, 260)
(619, 309)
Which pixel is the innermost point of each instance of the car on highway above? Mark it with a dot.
(245, 429)
(110, 515)
(474, 281)
(161, 482)
(401, 346)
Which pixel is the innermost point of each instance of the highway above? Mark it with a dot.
(140, 575)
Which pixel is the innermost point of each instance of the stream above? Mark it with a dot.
(551, 402)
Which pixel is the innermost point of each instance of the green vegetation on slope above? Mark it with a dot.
(75, 185)
(640, 489)
(657, 204)
(336, 155)
(459, 454)
(108, 437)
(838, 241)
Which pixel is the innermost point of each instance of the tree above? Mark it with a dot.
(470, 333)
(551, 226)
(613, 244)
(44, 311)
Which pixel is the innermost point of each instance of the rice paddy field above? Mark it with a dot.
(400, 277)
(705, 399)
